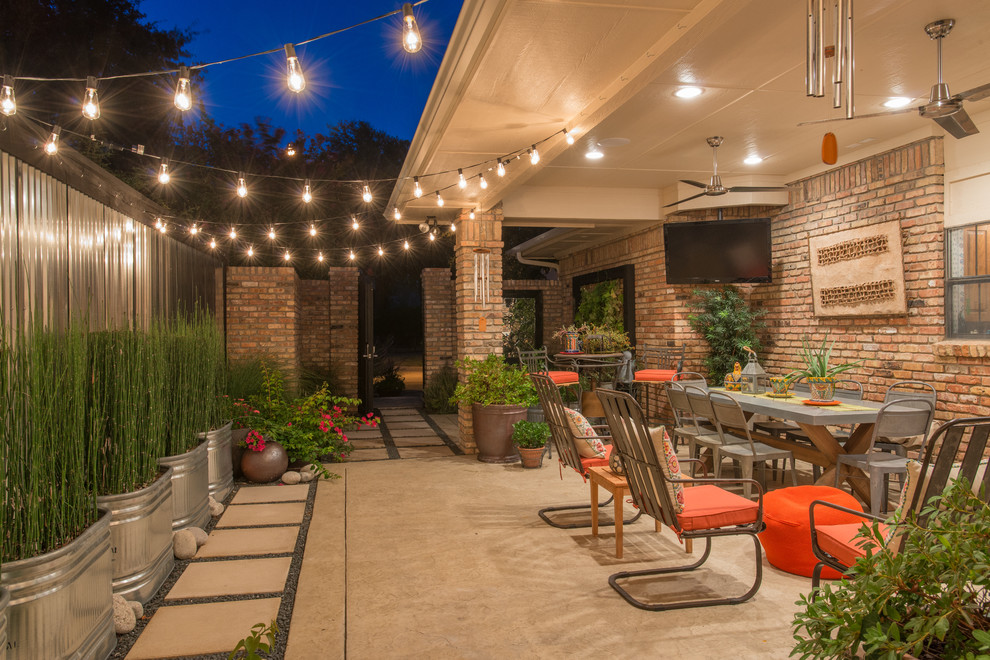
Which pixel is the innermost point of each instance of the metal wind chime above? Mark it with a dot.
(843, 63)
(482, 275)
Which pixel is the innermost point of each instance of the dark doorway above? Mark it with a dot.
(522, 321)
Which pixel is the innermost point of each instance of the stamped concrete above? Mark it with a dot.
(366, 455)
(367, 443)
(425, 452)
(276, 513)
(256, 494)
(231, 577)
(237, 542)
(417, 442)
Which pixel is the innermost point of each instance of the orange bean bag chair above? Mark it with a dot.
(787, 538)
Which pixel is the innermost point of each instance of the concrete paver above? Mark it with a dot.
(234, 542)
(417, 442)
(367, 455)
(425, 452)
(231, 577)
(256, 494)
(276, 513)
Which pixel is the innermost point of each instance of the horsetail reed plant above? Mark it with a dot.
(194, 355)
(44, 428)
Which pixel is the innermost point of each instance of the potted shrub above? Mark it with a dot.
(727, 323)
(819, 373)
(498, 394)
(531, 439)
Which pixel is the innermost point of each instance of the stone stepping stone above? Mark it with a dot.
(425, 452)
(257, 494)
(234, 542)
(399, 426)
(409, 433)
(278, 513)
(367, 443)
(363, 435)
(418, 442)
(232, 577)
(366, 455)
(182, 630)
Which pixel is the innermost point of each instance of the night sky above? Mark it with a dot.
(361, 74)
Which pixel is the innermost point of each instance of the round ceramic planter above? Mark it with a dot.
(221, 466)
(61, 602)
(4, 601)
(263, 467)
(493, 432)
(531, 457)
(141, 538)
(822, 389)
(190, 488)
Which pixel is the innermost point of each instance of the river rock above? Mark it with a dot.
(184, 544)
(306, 476)
(216, 509)
(201, 536)
(137, 607)
(124, 620)
(291, 478)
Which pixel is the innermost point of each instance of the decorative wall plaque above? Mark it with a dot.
(858, 272)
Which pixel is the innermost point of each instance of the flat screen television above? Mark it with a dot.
(718, 251)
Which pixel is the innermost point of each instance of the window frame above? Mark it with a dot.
(950, 282)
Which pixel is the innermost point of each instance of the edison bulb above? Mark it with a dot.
(271, 233)
(213, 243)
(417, 191)
(439, 200)
(194, 230)
(405, 245)
(307, 193)
(412, 41)
(366, 195)
(91, 101)
(381, 252)
(163, 175)
(354, 223)
(312, 230)
(233, 233)
(241, 188)
(568, 137)
(483, 182)
(51, 147)
(534, 155)
(319, 257)
(461, 182)
(287, 256)
(183, 90)
(295, 79)
(352, 255)
(501, 168)
(251, 251)
(8, 104)
(397, 215)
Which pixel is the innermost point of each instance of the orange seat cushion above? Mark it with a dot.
(710, 507)
(563, 377)
(654, 375)
(839, 541)
(596, 462)
(787, 537)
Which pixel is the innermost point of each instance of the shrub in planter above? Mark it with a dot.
(531, 440)
(724, 319)
(439, 390)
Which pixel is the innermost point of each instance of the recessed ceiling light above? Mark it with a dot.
(593, 153)
(753, 160)
(688, 92)
(896, 102)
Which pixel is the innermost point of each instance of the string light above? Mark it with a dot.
(312, 230)
(366, 195)
(290, 150)
(412, 41)
(417, 191)
(163, 176)
(483, 182)
(271, 233)
(381, 252)
(250, 250)
(354, 223)
(461, 182)
(320, 257)
(397, 215)
(163, 228)
(194, 229)
(233, 233)
(51, 147)
(287, 256)
(471, 215)
(439, 200)
(8, 104)
(433, 236)
(91, 101)
(158, 223)
(183, 90)
(307, 193)
(296, 80)
(568, 137)
(453, 227)
(501, 168)
(213, 243)
(241, 186)
(352, 256)
(405, 245)
(534, 155)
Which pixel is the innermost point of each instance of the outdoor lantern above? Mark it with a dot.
(753, 380)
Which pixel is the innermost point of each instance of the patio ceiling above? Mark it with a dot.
(516, 71)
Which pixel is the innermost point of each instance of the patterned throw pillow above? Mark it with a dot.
(586, 444)
(669, 465)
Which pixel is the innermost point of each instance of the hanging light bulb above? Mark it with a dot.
(241, 186)
(290, 150)
(233, 233)
(213, 243)
(501, 168)
(194, 229)
(163, 228)
(568, 137)
(381, 252)
(319, 257)
(158, 223)
(271, 233)
(91, 101)
(307, 192)
(405, 245)
(417, 191)
(534, 155)
(287, 256)
(397, 215)
(433, 236)
(439, 200)
(250, 250)
(183, 90)
(51, 147)
(412, 41)
(296, 80)
(352, 255)
(354, 223)
(8, 105)
(483, 182)
(471, 215)
(453, 227)
(461, 182)
(366, 195)
(312, 230)
(163, 176)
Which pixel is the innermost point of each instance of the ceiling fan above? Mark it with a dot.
(714, 187)
(945, 109)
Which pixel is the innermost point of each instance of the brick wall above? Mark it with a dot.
(904, 184)
(343, 287)
(556, 307)
(314, 325)
(438, 320)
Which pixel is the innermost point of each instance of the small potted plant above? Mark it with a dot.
(817, 370)
(531, 440)
(498, 394)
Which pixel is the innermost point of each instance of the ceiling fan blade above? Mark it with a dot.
(872, 114)
(686, 199)
(696, 184)
(958, 124)
(976, 94)
(756, 188)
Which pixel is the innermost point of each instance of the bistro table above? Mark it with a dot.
(590, 406)
(815, 420)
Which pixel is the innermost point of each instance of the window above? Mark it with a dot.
(967, 285)
(522, 322)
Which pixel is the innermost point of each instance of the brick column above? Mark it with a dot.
(344, 327)
(314, 325)
(479, 327)
(262, 315)
(438, 320)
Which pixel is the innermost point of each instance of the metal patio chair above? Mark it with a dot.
(701, 407)
(655, 366)
(708, 510)
(687, 425)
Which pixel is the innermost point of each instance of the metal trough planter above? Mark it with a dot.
(141, 538)
(61, 603)
(4, 601)
(221, 467)
(190, 487)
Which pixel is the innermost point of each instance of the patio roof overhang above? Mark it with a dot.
(518, 71)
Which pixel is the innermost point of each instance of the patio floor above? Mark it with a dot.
(445, 557)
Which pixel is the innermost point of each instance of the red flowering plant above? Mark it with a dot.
(255, 441)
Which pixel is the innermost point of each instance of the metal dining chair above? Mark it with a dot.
(658, 366)
(905, 389)
(899, 418)
(701, 406)
(742, 448)
(687, 426)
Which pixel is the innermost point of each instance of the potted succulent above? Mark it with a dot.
(498, 394)
(819, 373)
(531, 439)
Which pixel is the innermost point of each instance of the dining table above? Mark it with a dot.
(815, 418)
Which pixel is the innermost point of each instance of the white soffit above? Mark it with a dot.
(611, 204)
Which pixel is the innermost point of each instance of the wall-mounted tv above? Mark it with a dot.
(718, 251)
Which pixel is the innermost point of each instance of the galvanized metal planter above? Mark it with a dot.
(221, 466)
(4, 601)
(141, 538)
(190, 487)
(61, 603)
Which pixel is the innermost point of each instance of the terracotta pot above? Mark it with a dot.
(262, 467)
(531, 457)
(493, 432)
